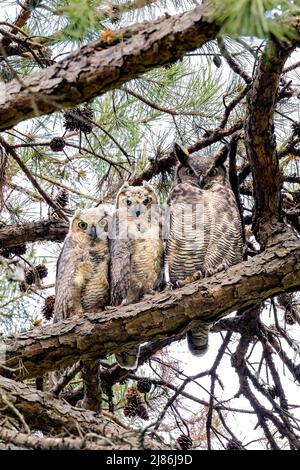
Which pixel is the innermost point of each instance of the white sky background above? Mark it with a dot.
(242, 424)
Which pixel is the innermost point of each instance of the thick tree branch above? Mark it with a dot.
(45, 412)
(99, 67)
(261, 143)
(168, 314)
(44, 229)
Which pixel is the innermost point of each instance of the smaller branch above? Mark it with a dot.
(291, 67)
(33, 181)
(66, 378)
(156, 106)
(176, 394)
(233, 64)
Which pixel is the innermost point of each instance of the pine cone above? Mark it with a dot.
(78, 119)
(23, 286)
(5, 252)
(62, 198)
(129, 411)
(144, 385)
(41, 270)
(297, 372)
(48, 307)
(133, 402)
(184, 442)
(234, 445)
(19, 250)
(142, 412)
(30, 277)
(273, 392)
(289, 318)
(57, 144)
(296, 129)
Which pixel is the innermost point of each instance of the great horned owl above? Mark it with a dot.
(205, 228)
(82, 268)
(136, 250)
(82, 283)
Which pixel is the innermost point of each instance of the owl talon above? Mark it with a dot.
(197, 276)
(168, 286)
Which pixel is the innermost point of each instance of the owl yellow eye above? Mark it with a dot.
(128, 202)
(82, 225)
(213, 172)
(190, 172)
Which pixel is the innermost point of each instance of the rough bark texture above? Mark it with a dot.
(44, 229)
(164, 316)
(261, 143)
(97, 67)
(44, 412)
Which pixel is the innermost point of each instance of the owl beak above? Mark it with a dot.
(93, 232)
(201, 181)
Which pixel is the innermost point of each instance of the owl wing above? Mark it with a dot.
(224, 232)
(120, 267)
(65, 270)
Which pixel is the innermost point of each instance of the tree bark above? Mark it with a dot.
(166, 315)
(39, 230)
(45, 412)
(260, 142)
(99, 66)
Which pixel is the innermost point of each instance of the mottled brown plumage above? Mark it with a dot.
(82, 283)
(82, 268)
(205, 228)
(136, 250)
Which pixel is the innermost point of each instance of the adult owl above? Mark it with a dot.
(136, 250)
(205, 228)
(82, 283)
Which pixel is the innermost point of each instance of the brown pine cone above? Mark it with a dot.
(144, 385)
(19, 250)
(57, 144)
(142, 412)
(184, 442)
(129, 411)
(234, 445)
(62, 198)
(79, 119)
(48, 307)
(30, 277)
(41, 270)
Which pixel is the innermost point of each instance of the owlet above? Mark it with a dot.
(136, 250)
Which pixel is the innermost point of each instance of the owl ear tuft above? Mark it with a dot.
(123, 187)
(77, 214)
(151, 190)
(182, 154)
(147, 185)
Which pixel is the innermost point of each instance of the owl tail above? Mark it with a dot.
(128, 359)
(197, 339)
